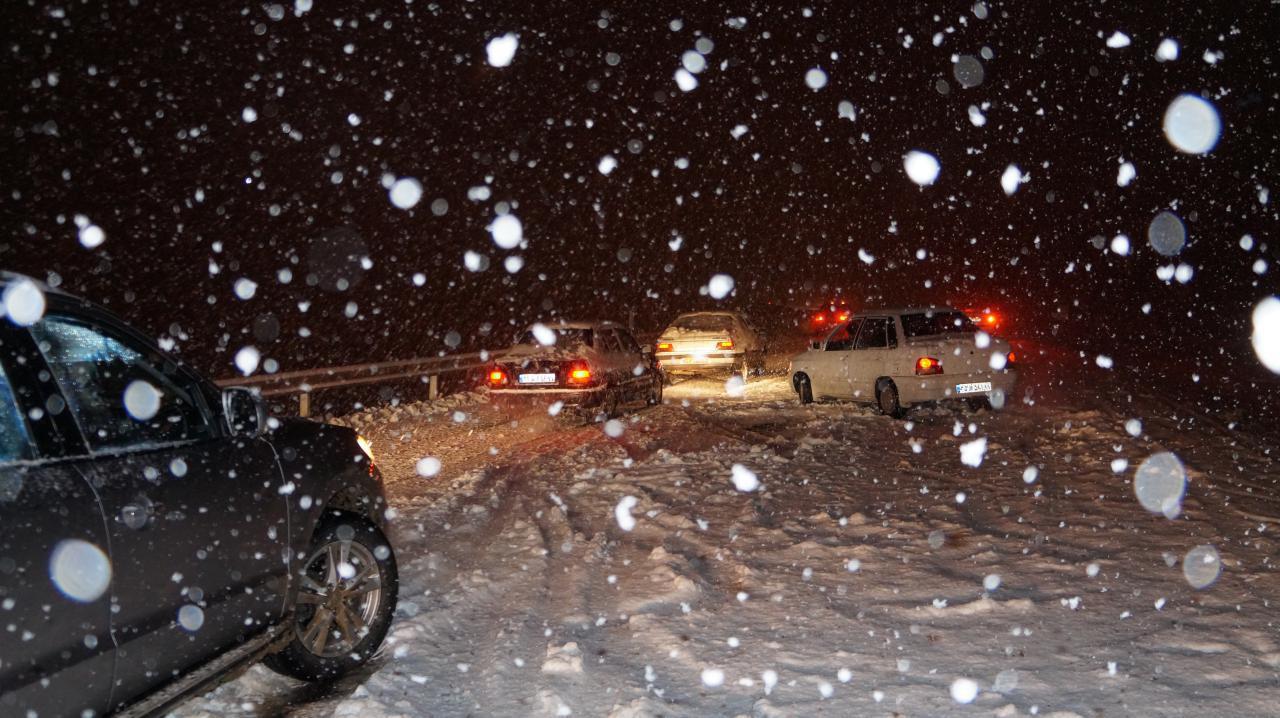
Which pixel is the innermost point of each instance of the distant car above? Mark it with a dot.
(157, 535)
(583, 369)
(896, 358)
(701, 342)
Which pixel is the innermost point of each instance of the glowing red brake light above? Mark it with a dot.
(497, 377)
(928, 365)
(579, 373)
(844, 316)
(664, 346)
(991, 319)
(728, 344)
(1010, 357)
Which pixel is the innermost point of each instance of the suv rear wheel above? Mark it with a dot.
(345, 599)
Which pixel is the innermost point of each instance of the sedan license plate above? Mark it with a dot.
(973, 388)
(537, 378)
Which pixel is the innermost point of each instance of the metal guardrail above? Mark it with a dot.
(306, 381)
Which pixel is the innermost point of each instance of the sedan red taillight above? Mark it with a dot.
(579, 373)
(928, 365)
(664, 346)
(497, 377)
(727, 344)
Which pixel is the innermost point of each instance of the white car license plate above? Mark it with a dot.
(973, 388)
(537, 378)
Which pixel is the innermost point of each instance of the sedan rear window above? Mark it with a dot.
(705, 323)
(930, 323)
(565, 337)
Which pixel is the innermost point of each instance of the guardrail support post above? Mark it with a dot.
(433, 387)
(304, 404)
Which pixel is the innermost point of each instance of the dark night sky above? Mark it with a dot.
(146, 114)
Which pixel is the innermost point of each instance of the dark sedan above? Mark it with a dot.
(157, 534)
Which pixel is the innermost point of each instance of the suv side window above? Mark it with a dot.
(119, 398)
(628, 342)
(15, 440)
(841, 340)
(876, 334)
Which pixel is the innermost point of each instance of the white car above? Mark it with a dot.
(895, 358)
(700, 342)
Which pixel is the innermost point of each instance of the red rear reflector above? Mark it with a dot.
(724, 345)
(1011, 357)
(928, 365)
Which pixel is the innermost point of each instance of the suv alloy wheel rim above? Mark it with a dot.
(339, 596)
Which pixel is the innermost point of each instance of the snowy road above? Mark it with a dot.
(870, 570)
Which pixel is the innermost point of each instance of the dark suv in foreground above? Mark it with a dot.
(157, 534)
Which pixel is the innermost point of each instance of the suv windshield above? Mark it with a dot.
(930, 323)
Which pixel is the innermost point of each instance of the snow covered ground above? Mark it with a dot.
(880, 567)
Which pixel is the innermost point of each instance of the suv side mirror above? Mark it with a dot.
(815, 344)
(244, 411)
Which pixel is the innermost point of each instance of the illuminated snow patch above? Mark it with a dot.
(1118, 466)
(1160, 484)
(1167, 50)
(712, 677)
(1133, 427)
(720, 286)
(693, 61)
(501, 50)
(543, 334)
(1126, 174)
(24, 302)
(247, 360)
(964, 690)
(744, 479)
(1120, 245)
(770, 680)
(91, 235)
(738, 131)
(428, 466)
(921, 167)
(1201, 566)
(473, 261)
(998, 360)
(1166, 234)
(405, 192)
(1011, 179)
(1118, 40)
(607, 164)
(622, 512)
(141, 400)
(976, 117)
(555, 408)
(1266, 333)
(245, 288)
(685, 80)
(1192, 125)
(972, 452)
(815, 78)
(1104, 361)
(80, 570)
(735, 387)
(513, 264)
(507, 231)
(249, 114)
(614, 428)
(991, 582)
(191, 618)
